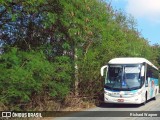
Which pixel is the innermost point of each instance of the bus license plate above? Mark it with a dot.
(120, 100)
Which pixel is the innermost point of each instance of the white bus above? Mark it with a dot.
(130, 81)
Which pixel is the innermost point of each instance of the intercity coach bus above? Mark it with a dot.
(130, 81)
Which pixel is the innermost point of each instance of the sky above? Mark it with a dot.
(146, 13)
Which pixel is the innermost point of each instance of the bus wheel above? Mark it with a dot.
(154, 98)
(145, 99)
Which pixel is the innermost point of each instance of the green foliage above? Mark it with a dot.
(24, 74)
(56, 36)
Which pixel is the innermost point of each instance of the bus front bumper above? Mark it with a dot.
(122, 100)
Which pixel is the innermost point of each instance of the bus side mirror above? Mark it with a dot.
(102, 69)
(142, 71)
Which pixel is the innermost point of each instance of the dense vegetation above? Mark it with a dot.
(51, 49)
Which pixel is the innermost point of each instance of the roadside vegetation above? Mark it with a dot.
(51, 51)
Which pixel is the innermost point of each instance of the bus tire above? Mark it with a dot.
(145, 99)
(154, 98)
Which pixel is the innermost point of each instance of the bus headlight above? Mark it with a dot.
(107, 93)
(138, 92)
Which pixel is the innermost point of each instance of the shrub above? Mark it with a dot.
(26, 73)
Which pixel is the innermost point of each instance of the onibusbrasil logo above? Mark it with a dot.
(21, 114)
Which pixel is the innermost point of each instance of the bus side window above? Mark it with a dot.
(149, 74)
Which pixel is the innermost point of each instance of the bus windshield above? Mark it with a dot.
(123, 77)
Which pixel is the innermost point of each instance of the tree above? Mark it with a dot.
(61, 45)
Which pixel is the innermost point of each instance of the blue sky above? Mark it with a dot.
(146, 14)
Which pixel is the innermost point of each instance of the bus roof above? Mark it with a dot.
(130, 60)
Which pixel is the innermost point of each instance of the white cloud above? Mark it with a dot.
(148, 9)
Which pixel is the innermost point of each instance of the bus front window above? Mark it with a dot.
(132, 77)
(123, 77)
(114, 77)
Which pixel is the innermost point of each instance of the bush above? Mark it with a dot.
(24, 74)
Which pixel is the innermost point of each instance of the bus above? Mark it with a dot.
(130, 81)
